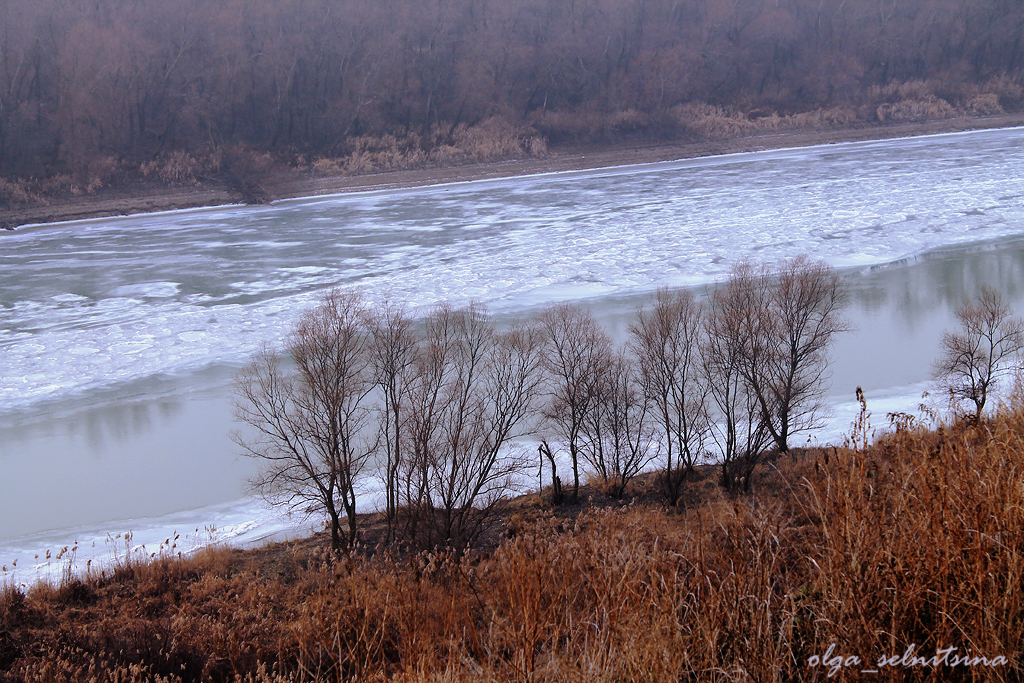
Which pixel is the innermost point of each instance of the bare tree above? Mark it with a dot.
(575, 349)
(974, 357)
(393, 352)
(666, 342)
(785, 319)
(544, 450)
(310, 425)
(619, 439)
(470, 396)
(738, 425)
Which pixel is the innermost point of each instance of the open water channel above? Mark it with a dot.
(119, 337)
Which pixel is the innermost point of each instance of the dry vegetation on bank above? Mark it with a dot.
(917, 539)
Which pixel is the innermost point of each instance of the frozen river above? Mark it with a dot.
(119, 337)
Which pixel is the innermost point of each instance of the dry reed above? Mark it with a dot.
(888, 553)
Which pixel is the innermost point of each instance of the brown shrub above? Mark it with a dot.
(177, 168)
(15, 192)
(711, 122)
(1008, 89)
(823, 118)
(495, 138)
(374, 154)
(490, 140)
(328, 166)
(915, 110)
(922, 542)
(984, 105)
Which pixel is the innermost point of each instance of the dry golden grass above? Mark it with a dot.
(898, 102)
(180, 168)
(493, 139)
(916, 540)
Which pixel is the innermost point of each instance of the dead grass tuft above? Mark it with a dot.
(492, 139)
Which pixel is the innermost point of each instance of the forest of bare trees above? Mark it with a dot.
(437, 411)
(94, 91)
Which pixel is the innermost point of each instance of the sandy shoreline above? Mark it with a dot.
(294, 184)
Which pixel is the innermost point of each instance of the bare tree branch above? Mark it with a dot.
(619, 436)
(771, 328)
(974, 357)
(666, 341)
(310, 426)
(574, 351)
(470, 395)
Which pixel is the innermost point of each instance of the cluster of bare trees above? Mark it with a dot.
(726, 380)
(769, 335)
(432, 408)
(427, 408)
(87, 85)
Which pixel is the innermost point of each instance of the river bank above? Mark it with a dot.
(809, 562)
(292, 183)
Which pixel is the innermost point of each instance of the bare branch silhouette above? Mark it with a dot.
(975, 356)
(311, 425)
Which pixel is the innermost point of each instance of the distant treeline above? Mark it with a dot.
(177, 89)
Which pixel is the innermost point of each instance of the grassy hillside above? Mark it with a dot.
(913, 542)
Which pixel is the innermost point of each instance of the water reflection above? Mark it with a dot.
(898, 311)
(116, 461)
(918, 286)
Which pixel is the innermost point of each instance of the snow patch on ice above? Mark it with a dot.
(152, 290)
